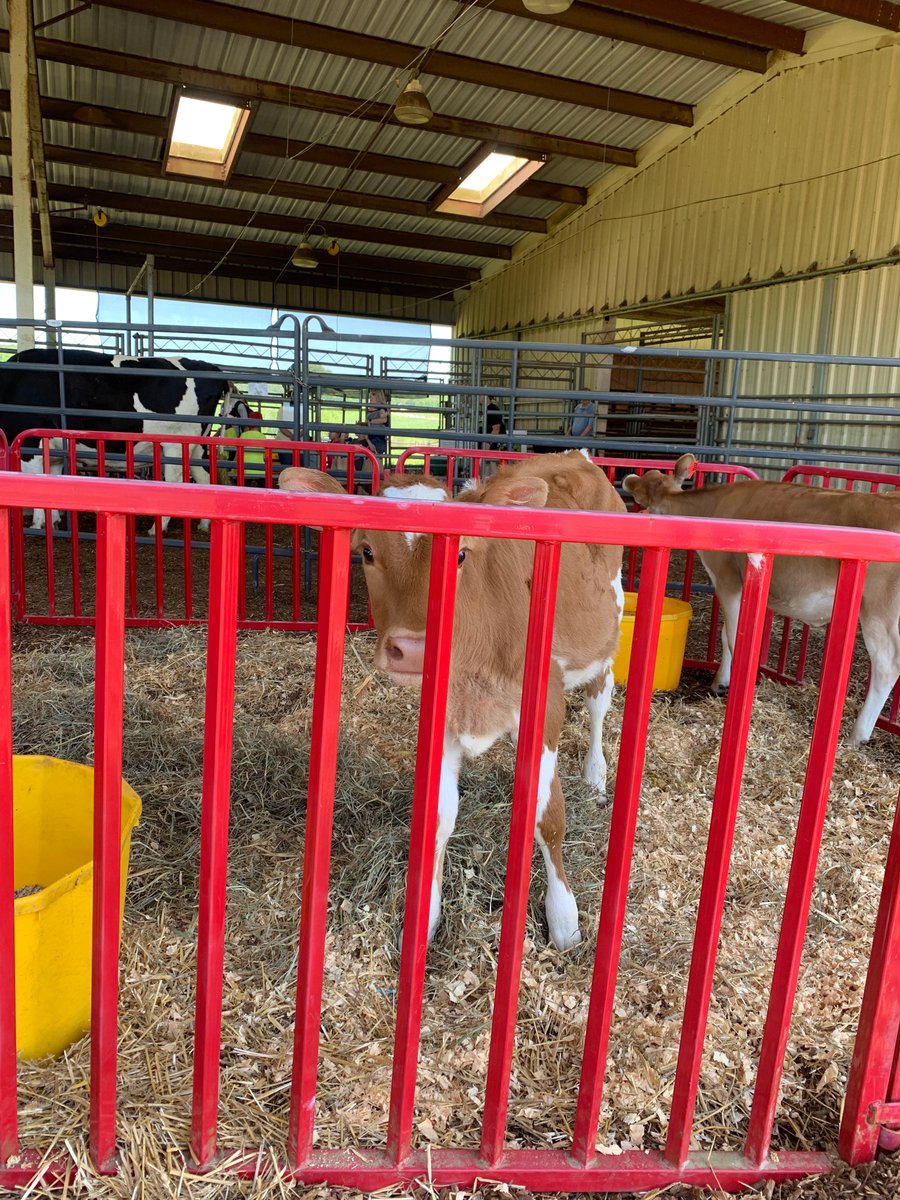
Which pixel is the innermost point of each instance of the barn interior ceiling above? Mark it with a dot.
(326, 160)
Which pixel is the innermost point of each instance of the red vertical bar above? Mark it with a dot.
(296, 586)
(785, 643)
(840, 640)
(73, 536)
(18, 535)
(632, 751)
(186, 538)
(879, 1020)
(718, 853)
(131, 538)
(423, 831)
(529, 749)
(224, 566)
(108, 707)
(801, 654)
(158, 538)
(9, 1135)
(270, 546)
(334, 575)
(48, 539)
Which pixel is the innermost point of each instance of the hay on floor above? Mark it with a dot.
(163, 761)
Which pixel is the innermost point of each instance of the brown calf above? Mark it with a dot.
(488, 648)
(801, 588)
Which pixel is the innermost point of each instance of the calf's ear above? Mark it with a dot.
(683, 468)
(525, 491)
(305, 479)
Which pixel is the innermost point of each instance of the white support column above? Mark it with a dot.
(20, 129)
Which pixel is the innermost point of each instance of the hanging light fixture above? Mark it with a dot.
(412, 107)
(303, 256)
(547, 8)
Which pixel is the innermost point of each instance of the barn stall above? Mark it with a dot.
(643, 239)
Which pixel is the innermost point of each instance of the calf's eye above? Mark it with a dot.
(367, 554)
(461, 558)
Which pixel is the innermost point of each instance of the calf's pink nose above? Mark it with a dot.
(405, 654)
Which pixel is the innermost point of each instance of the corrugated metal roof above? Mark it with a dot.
(480, 34)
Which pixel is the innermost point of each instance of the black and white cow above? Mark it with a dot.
(167, 388)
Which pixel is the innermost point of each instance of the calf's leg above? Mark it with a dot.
(728, 593)
(550, 828)
(598, 695)
(882, 638)
(448, 807)
(35, 466)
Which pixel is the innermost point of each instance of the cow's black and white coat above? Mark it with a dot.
(167, 388)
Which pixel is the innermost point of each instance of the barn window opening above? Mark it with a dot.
(205, 134)
(488, 179)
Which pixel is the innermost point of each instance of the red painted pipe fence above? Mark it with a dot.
(165, 572)
(574, 1164)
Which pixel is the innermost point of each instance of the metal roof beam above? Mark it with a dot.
(185, 265)
(128, 121)
(148, 168)
(264, 26)
(136, 66)
(215, 214)
(870, 12)
(688, 14)
(622, 26)
(151, 240)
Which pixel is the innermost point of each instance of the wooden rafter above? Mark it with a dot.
(720, 22)
(136, 66)
(252, 23)
(297, 227)
(183, 264)
(147, 168)
(624, 27)
(871, 12)
(128, 121)
(247, 251)
(272, 259)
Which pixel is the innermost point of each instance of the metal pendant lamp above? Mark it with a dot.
(412, 107)
(303, 256)
(547, 8)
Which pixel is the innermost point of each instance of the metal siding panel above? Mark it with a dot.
(715, 210)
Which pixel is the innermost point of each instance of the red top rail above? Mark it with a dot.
(84, 494)
(847, 475)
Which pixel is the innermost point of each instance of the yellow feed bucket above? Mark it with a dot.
(53, 813)
(676, 617)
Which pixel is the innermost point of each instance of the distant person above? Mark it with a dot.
(378, 415)
(493, 423)
(583, 419)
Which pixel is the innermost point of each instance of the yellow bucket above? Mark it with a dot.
(676, 617)
(53, 813)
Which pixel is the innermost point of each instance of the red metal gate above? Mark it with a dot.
(277, 566)
(575, 1163)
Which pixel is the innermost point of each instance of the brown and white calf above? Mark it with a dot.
(801, 588)
(488, 646)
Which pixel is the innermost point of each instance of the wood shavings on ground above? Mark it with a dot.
(163, 760)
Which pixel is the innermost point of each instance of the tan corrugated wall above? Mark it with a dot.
(799, 168)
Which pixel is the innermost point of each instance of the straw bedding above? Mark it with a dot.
(163, 761)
